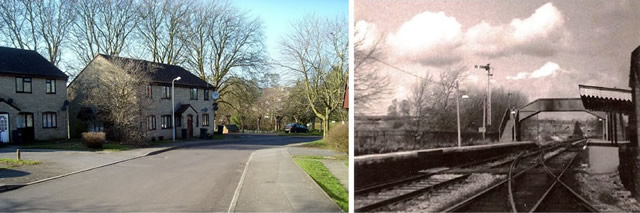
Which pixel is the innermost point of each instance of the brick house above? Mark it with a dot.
(193, 103)
(33, 98)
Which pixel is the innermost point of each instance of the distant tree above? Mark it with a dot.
(317, 51)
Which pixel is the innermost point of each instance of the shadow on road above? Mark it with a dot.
(9, 173)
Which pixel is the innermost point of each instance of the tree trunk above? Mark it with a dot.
(325, 128)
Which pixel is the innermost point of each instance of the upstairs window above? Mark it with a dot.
(206, 94)
(166, 92)
(194, 93)
(149, 91)
(51, 86)
(49, 120)
(23, 85)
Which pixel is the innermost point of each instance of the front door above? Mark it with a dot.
(190, 125)
(4, 128)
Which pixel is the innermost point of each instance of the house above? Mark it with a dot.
(193, 105)
(33, 98)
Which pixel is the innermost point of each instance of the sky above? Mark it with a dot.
(278, 16)
(541, 48)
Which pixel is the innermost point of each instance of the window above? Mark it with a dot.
(24, 120)
(51, 86)
(166, 121)
(205, 119)
(149, 91)
(166, 92)
(178, 121)
(151, 122)
(49, 120)
(206, 94)
(23, 85)
(194, 93)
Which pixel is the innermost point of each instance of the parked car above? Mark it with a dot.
(295, 127)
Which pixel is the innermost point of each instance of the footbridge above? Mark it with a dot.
(607, 104)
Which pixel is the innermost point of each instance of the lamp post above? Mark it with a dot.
(458, 112)
(173, 110)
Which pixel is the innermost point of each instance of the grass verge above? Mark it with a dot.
(311, 133)
(325, 179)
(10, 163)
(320, 144)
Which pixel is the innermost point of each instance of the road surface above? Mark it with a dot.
(202, 178)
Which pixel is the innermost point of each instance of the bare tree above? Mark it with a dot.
(31, 23)
(120, 98)
(18, 16)
(317, 51)
(103, 27)
(225, 42)
(162, 28)
(370, 85)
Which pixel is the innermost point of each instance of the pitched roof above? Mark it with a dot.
(165, 73)
(28, 63)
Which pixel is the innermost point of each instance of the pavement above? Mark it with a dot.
(274, 183)
(245, 173)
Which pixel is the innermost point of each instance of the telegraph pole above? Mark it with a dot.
(486, 120)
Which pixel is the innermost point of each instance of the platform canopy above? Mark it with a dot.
(606, 99)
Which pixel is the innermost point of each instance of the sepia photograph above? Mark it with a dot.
(496, 106)
(174, 106)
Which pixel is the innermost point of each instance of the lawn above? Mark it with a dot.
(10, 163)
(324, 178)
(76, 144)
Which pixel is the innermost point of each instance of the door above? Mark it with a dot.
(190, 125)
(4, 128)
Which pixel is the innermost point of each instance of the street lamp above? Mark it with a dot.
(173, 110)
(458, 112)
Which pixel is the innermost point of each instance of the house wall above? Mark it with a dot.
(157, 108)
(36, 102)
(162, 107)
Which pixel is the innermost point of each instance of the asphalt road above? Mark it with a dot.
(202, 178)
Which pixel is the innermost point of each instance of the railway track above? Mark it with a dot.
(383, 197)
(534, 185)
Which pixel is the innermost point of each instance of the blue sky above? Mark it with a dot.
(278, 15)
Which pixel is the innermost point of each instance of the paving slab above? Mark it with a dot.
(274, 183)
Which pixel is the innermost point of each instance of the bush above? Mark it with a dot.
(93, 140)
(338, 138)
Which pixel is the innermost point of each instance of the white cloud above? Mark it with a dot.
(366, 33)
(428, 38)
(541, 34)
(548, 69)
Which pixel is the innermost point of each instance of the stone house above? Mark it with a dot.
(33, 98)
(193, 103)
